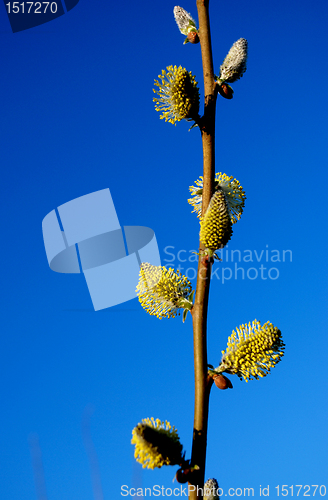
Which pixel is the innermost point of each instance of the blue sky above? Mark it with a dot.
(77, 116)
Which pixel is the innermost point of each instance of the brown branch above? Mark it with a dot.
(203, 382)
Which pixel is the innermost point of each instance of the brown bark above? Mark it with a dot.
(203, 382)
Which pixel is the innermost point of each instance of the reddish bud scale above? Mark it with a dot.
(193, 37)
(226, 91)
(222, 382)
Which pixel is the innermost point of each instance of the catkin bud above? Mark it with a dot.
(211, 490)
(234, 65)
(186, 24)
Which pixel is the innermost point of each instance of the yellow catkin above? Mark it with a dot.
(160, 290)
(216, 226)
(156, 443)
(233, 191)
(178, 95)
(252, 350)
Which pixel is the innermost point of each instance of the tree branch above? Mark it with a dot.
(203, 382)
